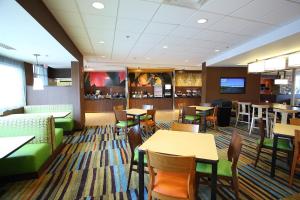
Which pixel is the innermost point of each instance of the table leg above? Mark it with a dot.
(141, 175)
(205, 124)
(138, 121)
(274, 155)
(214, 181)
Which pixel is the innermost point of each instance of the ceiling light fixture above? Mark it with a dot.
(202, 21)
(98, 5)
(102, 56)
(38, 83)
(100, 42)
(165, 46)
(217, 50)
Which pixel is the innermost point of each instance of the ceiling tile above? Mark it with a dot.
(212, 18)
(110, 7)
(159, 28)
(172, 14)
(224, 7)
(150, 39)
(136, 9)
(184, 32)
(68, 18)
(130, 25)
(97, 35)
(99, 22)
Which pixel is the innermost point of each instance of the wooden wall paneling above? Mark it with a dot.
(28, 73)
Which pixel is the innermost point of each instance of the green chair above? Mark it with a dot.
(135, 140)
(122, 122)
(283, 145)
(227, 169)
(189, 115)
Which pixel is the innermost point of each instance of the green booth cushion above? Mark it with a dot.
(123, 124)
(224, 168)
(283, 144)
(145, 117)
(136, 156)
(59, 134)
(191, 117)
(27, 159)
(67, 124)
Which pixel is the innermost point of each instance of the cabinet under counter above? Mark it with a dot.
(158, 103)
(103, 105)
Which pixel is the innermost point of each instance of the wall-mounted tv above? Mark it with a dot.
(229, 85)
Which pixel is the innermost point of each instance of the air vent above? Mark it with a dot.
(194, 4)
(5, 46)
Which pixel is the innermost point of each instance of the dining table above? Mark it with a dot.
(283, 131)
(136, 113)
(203, 110)
(8, 145)
(180, 143)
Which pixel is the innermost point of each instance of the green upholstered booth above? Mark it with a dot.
(66, 123)
(30, 158)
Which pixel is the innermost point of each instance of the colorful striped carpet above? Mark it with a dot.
(94, 165)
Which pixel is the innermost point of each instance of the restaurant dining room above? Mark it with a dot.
(149, 99)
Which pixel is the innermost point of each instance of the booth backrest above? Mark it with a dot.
(49, 109)
(41, 126)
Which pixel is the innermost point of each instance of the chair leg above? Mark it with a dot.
(257, 156)
(267, 127)
(129, 175)
(249, 119)
(235, 182)
(237, 120)
(252, 125)
(292, 173)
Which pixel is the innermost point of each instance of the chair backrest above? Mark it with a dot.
(205, 104)
(181, 105)
(189, 110)
(134, 138)
(244, 107)
(259, 110)
(297, 143)
(147, 107)
(283, 114)
(118, 107)
(215, 113)
(235, 105)
(120, 115)
(185, 127)
(295, 121)
(234, 149)
(152, 113)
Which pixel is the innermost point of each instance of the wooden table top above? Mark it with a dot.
(8, 145)
(202, 108)
(286, 108)
(180, 143)
(135, 111)
(285, 129)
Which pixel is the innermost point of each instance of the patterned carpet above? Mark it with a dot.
(94, 165)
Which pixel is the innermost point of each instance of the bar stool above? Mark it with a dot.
(260, 112)
(244, 109)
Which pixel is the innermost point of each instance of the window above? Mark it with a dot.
(41, 72)
(12, 84)
(297, 82)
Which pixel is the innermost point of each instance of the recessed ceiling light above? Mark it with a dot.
(100, 42)
(217, 50)
(102, 56)
(165, 46)
(202, 21)
(98, 5)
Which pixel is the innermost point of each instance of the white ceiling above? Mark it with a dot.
(150, 25)
(20, 31)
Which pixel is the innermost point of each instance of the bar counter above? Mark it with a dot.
(158, 103)
(102, 105)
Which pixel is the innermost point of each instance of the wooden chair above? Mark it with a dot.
(189, 115)
(227, 169)
(122, 122)
(118, 107)
(295, 121)
(185, 127)
(134, 140)
(296, 157)
(148, 107)
(244, 110)
(234, 109)
(213, 118)
(171, 177)
(148, 116)
(267, 143)
(180, 108)
(149, 122)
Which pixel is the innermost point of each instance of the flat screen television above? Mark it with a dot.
(232, 85)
